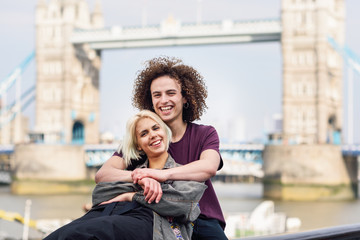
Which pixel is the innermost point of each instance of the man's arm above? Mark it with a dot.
(200, 170)
(113, 170)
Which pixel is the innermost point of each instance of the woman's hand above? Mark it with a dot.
(152, 189)
(140, 173)
(125, 197)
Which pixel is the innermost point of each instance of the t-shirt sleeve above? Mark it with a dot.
(118, 154)
(134, 163)
(211, 141)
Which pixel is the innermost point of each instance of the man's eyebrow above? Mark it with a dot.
(168, 90)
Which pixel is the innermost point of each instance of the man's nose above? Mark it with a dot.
(164, 99)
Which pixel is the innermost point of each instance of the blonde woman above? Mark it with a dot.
(121, 211)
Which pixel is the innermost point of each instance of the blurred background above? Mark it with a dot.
(82, 112)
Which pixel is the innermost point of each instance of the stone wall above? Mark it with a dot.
(307, 172)
(52, 162)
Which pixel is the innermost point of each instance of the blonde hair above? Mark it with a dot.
(129, 144)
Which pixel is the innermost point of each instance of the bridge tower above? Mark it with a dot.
(309, 164)
(312, 71)
(67, 91)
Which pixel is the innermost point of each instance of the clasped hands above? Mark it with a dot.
(149, 180)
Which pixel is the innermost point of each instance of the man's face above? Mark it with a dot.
(167, 99)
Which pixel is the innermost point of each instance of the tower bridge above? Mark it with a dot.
(69, 41)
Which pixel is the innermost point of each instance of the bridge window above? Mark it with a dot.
(58, 33)
(78, 136)
(52, 68)
(333, 133)
(47, 33)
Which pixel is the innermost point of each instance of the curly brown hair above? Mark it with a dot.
(192, 85)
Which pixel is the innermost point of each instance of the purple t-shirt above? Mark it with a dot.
(198, 138)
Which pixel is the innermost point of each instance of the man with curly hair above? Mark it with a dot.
(177, 93)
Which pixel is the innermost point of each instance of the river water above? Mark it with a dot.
(234, 197)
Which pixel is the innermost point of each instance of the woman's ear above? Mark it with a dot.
(138, 148)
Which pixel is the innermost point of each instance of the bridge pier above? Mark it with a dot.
(308, 172)
(50, 169)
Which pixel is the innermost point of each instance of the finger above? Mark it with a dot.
(134, 176)
(152, 197)
(149, 196)
(151, 191)
(156, 191)
(106, 202)
(146, 189)
(158, 198)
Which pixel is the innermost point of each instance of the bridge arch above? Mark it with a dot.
(334, 132)
(78, 133)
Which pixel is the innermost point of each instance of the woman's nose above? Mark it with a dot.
(152, 134)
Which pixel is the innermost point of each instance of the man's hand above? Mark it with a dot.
(152, 189)
(140, 173)
(125, 197)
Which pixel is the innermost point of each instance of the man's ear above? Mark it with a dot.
(184, 100)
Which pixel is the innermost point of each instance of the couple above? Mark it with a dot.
(176, 93)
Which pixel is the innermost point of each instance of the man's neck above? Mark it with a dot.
(178, 130)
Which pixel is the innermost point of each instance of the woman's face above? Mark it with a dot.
(151, 138)
(167, 99)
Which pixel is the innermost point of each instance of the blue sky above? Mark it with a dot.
(244, 80)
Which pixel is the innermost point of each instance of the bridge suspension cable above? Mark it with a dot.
(9, 112)
(353, 62)
(24, 95)
(349, 56)
(10, 80)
